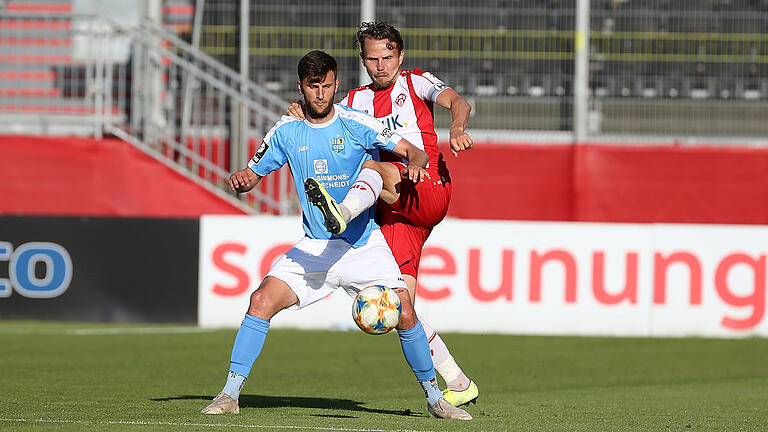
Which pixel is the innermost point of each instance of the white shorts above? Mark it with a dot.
(314, 268)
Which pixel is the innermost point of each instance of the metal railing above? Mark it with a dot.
(687, 71)
(148, 87)
(206, 117)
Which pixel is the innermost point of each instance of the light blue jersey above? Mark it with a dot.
(333, 153)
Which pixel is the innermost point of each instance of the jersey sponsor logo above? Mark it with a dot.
(321, 166)
(400, 100)
(337, 144)
(303, 148)
(332, 177)
(260, 152)
(385, 135)
(392, 122)
(333, 180)
(439, 86)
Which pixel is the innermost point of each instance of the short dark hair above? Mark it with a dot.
(379, 31)
(315, 65)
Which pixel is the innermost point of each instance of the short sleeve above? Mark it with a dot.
(270, 155)
(374, 132)
(426, 85)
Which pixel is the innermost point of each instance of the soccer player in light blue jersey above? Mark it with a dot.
(326, 153)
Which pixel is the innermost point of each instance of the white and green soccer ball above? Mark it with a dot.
(376, 309)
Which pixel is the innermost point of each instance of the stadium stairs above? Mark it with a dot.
(54, 82)
(35, 57)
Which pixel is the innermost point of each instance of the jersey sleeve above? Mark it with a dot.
(271, 154)
(374, 132)
(426, 85)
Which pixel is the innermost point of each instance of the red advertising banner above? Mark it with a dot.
(610, 183)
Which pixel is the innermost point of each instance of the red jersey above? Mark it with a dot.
(405, 107)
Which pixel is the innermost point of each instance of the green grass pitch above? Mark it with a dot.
(87, 377)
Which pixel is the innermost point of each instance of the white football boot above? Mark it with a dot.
(222, 404)
(443, 409)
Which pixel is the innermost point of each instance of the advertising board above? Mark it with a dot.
(553, 278)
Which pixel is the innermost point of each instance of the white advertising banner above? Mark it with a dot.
(552, 278)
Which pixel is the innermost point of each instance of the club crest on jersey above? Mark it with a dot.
(321, 166)
(400, 100)
(337, 144)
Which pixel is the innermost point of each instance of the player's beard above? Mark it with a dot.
(386, 84)
(314, 113)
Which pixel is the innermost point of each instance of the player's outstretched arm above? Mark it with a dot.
(243, 180)
(296, 110)
(460, 109)
(417, 160)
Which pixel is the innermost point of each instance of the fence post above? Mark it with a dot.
(581, 72)
(367, 14)
(99, 86)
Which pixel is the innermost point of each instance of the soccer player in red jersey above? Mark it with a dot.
(403, 101)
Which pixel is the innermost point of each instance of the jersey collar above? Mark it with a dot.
(327, 123)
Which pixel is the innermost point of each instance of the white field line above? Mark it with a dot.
(137, 330)
(111, 331)
(218, 425)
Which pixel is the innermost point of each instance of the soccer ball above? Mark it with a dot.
(376, 309)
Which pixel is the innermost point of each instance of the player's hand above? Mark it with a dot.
(242, 181)
(296, 110)
(415, 174)
(460, 141)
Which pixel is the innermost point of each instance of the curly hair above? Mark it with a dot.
(379, 31)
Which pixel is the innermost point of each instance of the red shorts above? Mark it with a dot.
(407, 223)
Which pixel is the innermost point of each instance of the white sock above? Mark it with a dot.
(443, 361)
(362, 195)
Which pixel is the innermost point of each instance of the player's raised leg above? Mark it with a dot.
(413, 341)
(361, 196)
(390, 179)
(272, 296)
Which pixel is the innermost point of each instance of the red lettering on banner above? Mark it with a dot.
(505, 287)
(220, 262)
(756, 299)
(660, 265)
(630, 281)
(447, 268)
(271, 255)
(538, 261)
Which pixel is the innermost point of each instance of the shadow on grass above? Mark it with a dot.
(258, 401)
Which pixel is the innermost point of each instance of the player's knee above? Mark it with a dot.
(270, 298)
(371, 164)
(259, 305)
(408, 316)
(376, 166)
